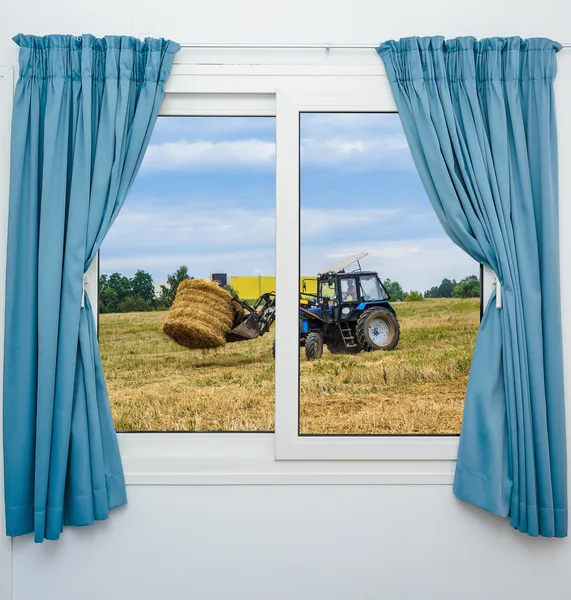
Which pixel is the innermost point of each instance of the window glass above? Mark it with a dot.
(371, 288)
(349, 289)
(201, 213)
(327, 289)
(391, 354)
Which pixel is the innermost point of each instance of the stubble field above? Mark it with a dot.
(154, 384)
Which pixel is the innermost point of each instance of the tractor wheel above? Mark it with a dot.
(378, 329)
(313, 346)
(338, 347)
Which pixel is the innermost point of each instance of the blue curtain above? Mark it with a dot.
(480, 121)
(84, 111)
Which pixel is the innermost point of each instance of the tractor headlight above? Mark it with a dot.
(345, 312)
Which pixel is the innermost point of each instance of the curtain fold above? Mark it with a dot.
(84, 110)
(480, 121)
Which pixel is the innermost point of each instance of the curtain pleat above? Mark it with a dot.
(84, 111)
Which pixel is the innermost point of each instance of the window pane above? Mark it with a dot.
(389, 341)
(371, 288)
(202, 208)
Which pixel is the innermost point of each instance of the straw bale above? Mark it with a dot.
(201, 315)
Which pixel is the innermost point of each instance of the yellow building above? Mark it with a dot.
(250, 287)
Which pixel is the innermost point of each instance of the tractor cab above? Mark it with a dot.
(351, 312)
(346, 288)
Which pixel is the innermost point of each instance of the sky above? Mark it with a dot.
(205, 197)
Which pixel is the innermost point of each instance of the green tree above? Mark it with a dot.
(113, 289)
(469, 287)
(394, 289)
(118, 293)
(108, 300)
(432, 292)
(444, 290)
(168, 291)
(142, 286)
(413, 296)
(134, 304)
(121, 285)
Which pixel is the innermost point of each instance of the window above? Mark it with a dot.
(348, 289)
(390, 352)
(327, 289)
(202, 209)
(372, 289)
(286, 94)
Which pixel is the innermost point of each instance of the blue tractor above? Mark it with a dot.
(350, 313)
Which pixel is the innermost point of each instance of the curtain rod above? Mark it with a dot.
(299, 46)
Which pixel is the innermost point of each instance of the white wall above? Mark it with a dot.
(292, 541)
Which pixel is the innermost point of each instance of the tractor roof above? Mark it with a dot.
(348, 273)
(342, 265)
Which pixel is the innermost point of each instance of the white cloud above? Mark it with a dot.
(315, 221)
(385, 153)
(197, 224)
(388, 152)
(201, 154)
(350, 125)
(242, 241)
(416, 264)
(351, 146)
(193, 225)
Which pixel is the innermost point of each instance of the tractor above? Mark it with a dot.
(350, 313)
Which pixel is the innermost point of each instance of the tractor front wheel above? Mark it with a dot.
(313, 346)
(378, 329)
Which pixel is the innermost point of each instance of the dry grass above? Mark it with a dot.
(154, 384)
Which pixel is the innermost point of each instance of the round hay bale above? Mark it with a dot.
(201, 315)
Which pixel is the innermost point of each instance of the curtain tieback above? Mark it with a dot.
(498, 291)
(83, 290)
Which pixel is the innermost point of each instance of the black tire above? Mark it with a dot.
(366, 324)
(313, 346)
(338, 347)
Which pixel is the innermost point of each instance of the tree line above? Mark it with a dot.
(469, 287)
(118, 293)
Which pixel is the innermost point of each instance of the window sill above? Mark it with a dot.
(249, 459)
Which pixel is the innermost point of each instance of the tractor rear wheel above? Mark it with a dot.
(378, 329)
(338, 347)
(313, 346)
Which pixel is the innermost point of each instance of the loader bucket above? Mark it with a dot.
(248, 329)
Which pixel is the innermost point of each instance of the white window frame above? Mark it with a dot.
(289, 444)
(284, 456)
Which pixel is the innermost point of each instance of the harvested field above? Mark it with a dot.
(155, 384)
